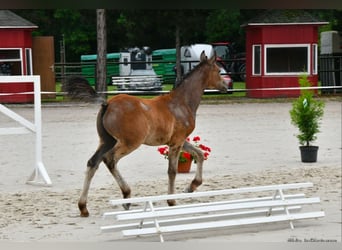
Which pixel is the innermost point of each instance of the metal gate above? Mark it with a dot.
(330, 73)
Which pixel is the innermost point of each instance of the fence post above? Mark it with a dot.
(35, 127)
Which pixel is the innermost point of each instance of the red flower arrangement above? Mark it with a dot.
(186, 156)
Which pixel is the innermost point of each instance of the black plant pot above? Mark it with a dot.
(308, 153)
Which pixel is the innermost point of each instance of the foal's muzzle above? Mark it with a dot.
(224, 86)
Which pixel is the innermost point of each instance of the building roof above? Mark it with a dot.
(284, 17)
(8, 19)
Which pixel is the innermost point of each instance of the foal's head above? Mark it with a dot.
(214, 79)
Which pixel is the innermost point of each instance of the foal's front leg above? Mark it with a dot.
(199, 157)
(172, 171)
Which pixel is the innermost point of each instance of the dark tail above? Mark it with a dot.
(77, 87)
(108, 140)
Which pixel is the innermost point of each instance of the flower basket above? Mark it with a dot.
(184, 167)
(186, 158)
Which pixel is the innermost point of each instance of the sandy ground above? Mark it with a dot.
(252, 144)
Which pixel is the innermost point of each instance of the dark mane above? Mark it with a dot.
(188, 74)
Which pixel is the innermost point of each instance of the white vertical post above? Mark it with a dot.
(281, 194)
(35, 127)
(39, 168)
(156, 223)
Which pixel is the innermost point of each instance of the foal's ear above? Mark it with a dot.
(213, 58)
(203, 56)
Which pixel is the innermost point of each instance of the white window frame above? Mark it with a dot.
(314, 59)
(16, 59)
(266, 46)
(253, 60)
(29, 68)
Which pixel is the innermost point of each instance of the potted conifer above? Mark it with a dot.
(306, 114)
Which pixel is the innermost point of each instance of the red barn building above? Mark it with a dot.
(280, 45)
(15, 54)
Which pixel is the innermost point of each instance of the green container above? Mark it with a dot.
(88, 66)
(163, 63)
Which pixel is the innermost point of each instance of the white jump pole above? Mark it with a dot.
(36, 127)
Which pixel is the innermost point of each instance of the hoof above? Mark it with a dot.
(83, 210)
(171, 203)
(188, 190)
(126, 206)
(84, 214)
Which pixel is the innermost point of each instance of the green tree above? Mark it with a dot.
(306, 113)
(77, 26)
(79, 30)
(223, 25)
(337, 20)
(154, 28)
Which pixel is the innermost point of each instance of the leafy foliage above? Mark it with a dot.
(306, 113)
(223, 25)
(148, 27)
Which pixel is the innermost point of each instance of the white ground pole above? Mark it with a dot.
(39, 175)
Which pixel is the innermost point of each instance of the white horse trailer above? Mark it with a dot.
(190, 55)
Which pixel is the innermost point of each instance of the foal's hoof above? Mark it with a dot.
(84, 214)
(188, 190)
(171, 203)
(126, 206)
(83, 209)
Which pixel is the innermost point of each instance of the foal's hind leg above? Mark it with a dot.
(199, 157)
(82, 202)
(92, 166)
(111, 164)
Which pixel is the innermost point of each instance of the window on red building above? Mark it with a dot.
(10, 62)
(287, 59)
(256, 59)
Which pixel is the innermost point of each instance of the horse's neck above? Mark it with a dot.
(191, 91)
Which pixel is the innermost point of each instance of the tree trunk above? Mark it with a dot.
(178, 57)
(101, 63)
